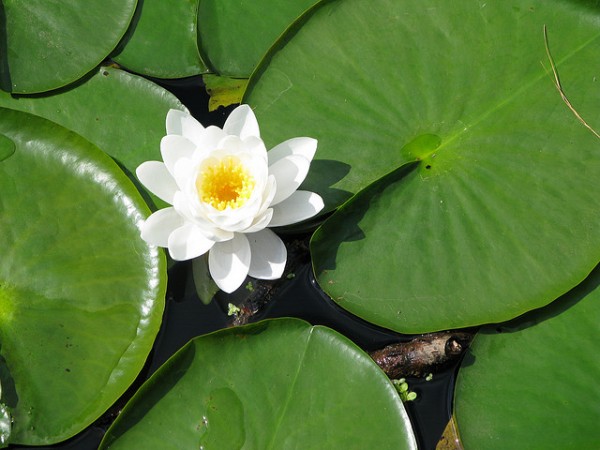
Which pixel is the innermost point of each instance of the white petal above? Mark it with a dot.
(158, 227)
(232, 219)
(260, 222)
(228, 145)
(184, 174)
(256, 147)
(289, 173)
(183, 206)
(268, 255)
(299, 206)
(215, 234)
(173, 148)
(155, 176)
(268, 194)
(195, 217)
(300, 146)
(210, 140)
(242, 122)
(188, 242)
(229, 262)
(183, 124)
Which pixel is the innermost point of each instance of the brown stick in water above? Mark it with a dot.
(423, 355)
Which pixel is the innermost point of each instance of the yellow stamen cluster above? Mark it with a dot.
(225, 183)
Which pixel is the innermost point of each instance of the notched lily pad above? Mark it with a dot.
(500, 214)
(273, 384)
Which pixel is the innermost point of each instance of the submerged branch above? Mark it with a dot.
(426, 354)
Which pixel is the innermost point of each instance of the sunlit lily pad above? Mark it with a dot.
(499, 213)
(162, 41)
(123, 114)
(47, 45)
(274, 384)
(534, 381)
(234, 35)
(81, 295)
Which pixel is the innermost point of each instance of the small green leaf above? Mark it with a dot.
(224, 91)
(232, 309)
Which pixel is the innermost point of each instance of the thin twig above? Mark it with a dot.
(559, 86)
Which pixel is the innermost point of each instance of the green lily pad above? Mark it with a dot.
(234, 36)
(48, 45)
(385, 80)
(162, 40)
(81, 294)
(497, 214)
(123, 114)
(534, 381)
(273, 384)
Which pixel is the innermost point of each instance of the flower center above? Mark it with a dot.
(225, 183)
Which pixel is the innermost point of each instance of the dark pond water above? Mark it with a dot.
(187, 317)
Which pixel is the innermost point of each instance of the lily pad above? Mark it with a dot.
(535, 379)
(235, 35)
(51, 44)
(123, 114)
(497, 214)
(273, 384)
(162, 40)
(81, 294)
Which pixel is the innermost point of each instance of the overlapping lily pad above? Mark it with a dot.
(81, 295)
(498, 213)
(274, 384)
(162, 41)
(47, 45)
(534, 381)
(234, 35)
(123, 114)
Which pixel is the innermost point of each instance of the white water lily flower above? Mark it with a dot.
(226, 189)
